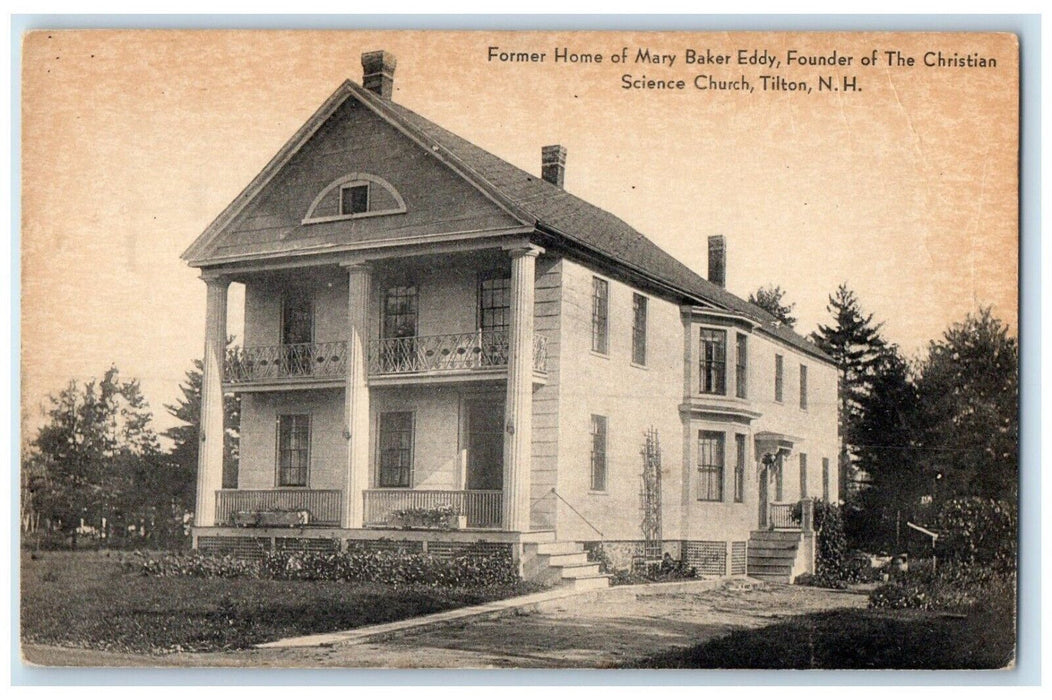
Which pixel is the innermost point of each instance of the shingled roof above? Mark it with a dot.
(557, 210)
(537, 202)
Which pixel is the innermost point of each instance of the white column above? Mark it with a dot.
(356, 476)
(211, 431)
(518, 410)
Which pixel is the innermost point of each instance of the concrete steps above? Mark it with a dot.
(772, 554)
(562, 563)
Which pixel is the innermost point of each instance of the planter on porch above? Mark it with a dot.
(438, 518)
(271, 518)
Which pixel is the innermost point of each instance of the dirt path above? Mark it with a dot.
(571, 633)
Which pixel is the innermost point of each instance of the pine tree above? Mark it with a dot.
(856, 346)
(769, 298)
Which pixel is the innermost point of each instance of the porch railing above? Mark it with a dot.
(298, 361)
(450, 352)
(798, 515)
(782, 517)
(324, 506)
(482, 508)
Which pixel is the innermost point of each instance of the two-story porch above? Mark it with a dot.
(375, 386)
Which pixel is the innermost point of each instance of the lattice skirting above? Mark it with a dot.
(708, 558)
(739, 558)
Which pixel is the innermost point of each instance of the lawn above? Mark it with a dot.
(86, 599)
(858, 639)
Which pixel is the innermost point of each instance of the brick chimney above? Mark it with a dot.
(378, 69)
(553, 164)
(718, 261)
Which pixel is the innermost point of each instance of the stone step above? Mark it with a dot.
(588, 583)
(571, 559)
(578, 570)
(559, 547)
(766, 550)
(785, 569)
(770, 578)
(782, 535)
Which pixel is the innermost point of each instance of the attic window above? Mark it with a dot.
(354, 196)
(354, 199)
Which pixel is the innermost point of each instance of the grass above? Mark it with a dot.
(858, 639)
(86, 600)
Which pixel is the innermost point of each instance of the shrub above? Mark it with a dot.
(953, 586)
(979, 531)
(357, 565)
(835, 567)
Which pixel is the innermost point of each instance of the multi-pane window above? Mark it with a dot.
(293, 449)
(713, 361)
(400, 312)
(741, 368)
(598, 477)
(779, 377)
(803, 387)
(825, 479)
(354, 199)
(600, 311)
(396, 449)
(710, 466)
(297, 318)
(639, 329)
(739, 469)
(494, 303)
(803, 475)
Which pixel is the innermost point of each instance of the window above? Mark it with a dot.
(739, 469)
(713, 361)
(354, 199)
(779, 376)
(297, 318)
(494, 302)
(639, 329)
(803, 387)
(825, 479)
(600, 304)
(400, 309)
(396, 449)
(741, 369)
(598, 481)
(293, 449)
(710, 466)
(803, 475)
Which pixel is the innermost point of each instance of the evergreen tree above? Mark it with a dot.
(769, 298)
(185, 442)
(856, 346)
(968, 390)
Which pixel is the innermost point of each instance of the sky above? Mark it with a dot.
(134, 141)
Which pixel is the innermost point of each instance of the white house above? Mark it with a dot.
(427, 325)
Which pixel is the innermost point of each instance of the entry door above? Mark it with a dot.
(485, 442)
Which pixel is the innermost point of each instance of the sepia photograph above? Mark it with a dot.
(519, 349)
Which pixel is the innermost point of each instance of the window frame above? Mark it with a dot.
(282, 479)
(482, 292)
(599, 431)
(380, 450)
(825, 479)
(600, 316)
(803, 387)
(716, 367)
(356, 185)
(741, 366)
(803, 474)
(639, 329)
(739, 467)
(711, 474)
(779, 378)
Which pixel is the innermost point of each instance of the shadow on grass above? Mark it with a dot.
(857, 639)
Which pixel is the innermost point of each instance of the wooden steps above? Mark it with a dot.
(772, 554)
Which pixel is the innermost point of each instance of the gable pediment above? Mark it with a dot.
(351, 179)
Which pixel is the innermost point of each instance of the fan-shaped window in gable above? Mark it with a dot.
(354, 196)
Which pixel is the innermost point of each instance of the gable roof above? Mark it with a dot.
(530, 199)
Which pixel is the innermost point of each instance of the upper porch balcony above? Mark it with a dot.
(483, 354)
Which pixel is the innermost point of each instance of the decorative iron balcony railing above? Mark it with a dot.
(451, 352)
(286, 362)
